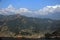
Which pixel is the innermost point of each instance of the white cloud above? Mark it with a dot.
(44, 11)
(53, 6)
(2, 11)
(23, 10)
(10, 8)
(48, 9)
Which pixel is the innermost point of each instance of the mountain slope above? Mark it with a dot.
(52, 12)
(18, 23)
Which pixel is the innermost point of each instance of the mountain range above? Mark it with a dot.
(25, 22)
(52, 12)
(19, 24)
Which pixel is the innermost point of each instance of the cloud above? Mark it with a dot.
(48, 9)
(22, 10)
(10, 8)
(2, 11)
(44, 11)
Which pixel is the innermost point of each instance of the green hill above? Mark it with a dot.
(27, 25)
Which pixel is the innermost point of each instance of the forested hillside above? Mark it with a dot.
(12, 25)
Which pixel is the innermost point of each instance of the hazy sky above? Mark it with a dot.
(30, 4)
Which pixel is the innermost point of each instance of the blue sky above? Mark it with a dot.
(30, 4)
